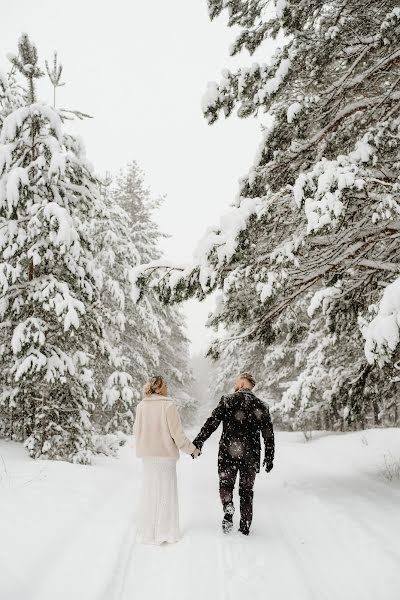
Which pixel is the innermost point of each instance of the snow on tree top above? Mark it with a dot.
(382, 334)
(16, 119)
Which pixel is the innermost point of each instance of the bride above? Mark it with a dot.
(159, 437)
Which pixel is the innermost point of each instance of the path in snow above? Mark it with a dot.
(326, 527)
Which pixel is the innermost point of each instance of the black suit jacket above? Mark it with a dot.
(244, 417)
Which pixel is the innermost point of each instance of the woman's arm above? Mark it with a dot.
(176, 430)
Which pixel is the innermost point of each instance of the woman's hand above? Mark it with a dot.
(196, 453)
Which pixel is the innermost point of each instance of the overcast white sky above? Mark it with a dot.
(140, 68)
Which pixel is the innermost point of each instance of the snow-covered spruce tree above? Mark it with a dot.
(132, 330)
(304, 363)
(115, 254)
(165, 347)
(51, 323)
(143, 320)
(132, 194)
(149, 336)
(320, 206)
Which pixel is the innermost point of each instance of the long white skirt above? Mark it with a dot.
(158, 514)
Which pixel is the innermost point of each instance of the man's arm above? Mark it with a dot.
(211, 424)
(267, 432)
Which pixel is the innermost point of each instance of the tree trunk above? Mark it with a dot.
(375, 407)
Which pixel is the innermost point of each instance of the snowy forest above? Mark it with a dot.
(75, 346)
(306, 264)
(200, 300)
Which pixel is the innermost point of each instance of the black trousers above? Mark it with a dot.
(227, 471)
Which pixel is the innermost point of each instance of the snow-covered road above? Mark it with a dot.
(326, 527)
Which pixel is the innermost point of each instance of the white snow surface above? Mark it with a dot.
(326, 527)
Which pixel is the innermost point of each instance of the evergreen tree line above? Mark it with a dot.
(307, 263)
(75, 348)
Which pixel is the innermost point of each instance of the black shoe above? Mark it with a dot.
(227, 521)
(244, 527)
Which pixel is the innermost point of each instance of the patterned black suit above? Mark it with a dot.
(244, 417)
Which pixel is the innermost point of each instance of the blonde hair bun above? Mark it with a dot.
(153, 385)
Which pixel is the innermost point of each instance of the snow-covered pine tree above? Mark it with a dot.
(319, 209)
(115, 255)
(143, 320)
(142, 327)
(149, 336)
(328, 167)
(305, 371)
(132, 330)
(132, 194)
(165, 343)
(51, 323)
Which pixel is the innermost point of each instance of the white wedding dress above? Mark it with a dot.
(158, 511)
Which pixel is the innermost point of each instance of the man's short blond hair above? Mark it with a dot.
(249, 377)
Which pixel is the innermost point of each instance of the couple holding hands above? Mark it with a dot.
(160, 436)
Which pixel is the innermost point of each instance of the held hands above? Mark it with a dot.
(268, 465)
(196, 453)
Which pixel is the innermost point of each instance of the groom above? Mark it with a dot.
(244, 417)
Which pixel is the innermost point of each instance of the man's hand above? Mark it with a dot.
(196, 453)
(268, 465)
